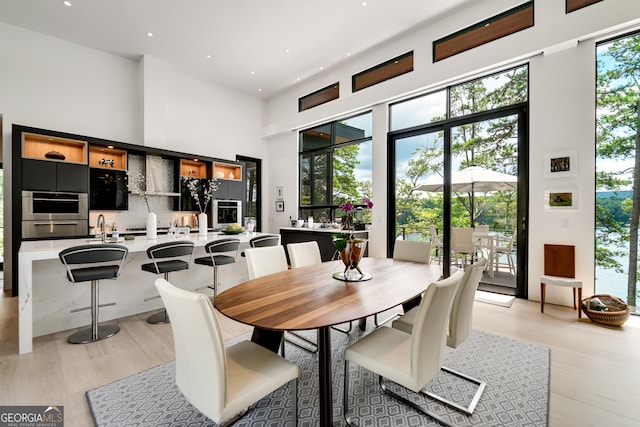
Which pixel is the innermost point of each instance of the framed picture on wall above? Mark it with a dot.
(561, 199)
(561, 164)
(280, 206)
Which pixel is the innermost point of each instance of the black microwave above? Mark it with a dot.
(108, 190)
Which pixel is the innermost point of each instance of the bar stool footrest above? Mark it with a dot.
(75, 310)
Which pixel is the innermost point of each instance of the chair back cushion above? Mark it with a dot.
(461, 320)
(87, 254)
(560, 260)
(171, 249)
(266, 260)
(261, 241)
(222, 245)
(412, 250)
(304, 253)
(199, 347)
(429, 332)
(462, 240)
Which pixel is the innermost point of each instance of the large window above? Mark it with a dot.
(618, 168)
(458, 163)
(335, 166)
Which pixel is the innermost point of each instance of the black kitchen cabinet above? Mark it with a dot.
(228, 190)
(43, 175)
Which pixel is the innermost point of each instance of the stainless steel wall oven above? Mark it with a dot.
(54, 214)
(226, 212)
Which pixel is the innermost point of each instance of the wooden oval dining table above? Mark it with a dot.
(310, 298)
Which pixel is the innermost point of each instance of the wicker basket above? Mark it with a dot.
(617, 314)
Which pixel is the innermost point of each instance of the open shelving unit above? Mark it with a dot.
(43, 147)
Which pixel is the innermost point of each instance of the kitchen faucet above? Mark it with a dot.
(104, 231)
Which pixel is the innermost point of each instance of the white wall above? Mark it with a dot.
(562, 94)
(185, 114)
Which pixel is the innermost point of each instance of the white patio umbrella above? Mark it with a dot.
(472, 179)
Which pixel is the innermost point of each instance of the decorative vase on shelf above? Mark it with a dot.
(152, 226)
(202, 224)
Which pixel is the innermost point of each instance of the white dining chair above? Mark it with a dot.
(505, 249)
(220, 382)
(463, 244)
(436, 242)
(265, 260)
(304, 253)
(408, 250)
(460, 326)
(410, 360)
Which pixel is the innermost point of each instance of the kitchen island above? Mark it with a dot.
(320, 235)
(46, 297)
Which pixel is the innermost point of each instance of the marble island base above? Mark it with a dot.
(47, 298)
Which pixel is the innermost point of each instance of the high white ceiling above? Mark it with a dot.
(259, 47)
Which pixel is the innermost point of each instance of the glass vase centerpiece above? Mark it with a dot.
(351, 249)
(202, 192)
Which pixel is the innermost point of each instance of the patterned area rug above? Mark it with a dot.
(517, 392)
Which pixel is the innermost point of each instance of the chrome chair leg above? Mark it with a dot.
(474, 401)
(407, 402)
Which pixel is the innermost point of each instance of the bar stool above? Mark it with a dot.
(175, 250)
(92, 254)
(217, 251)
(262, 241)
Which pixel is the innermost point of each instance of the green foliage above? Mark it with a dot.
(491, 144)
(617, 138)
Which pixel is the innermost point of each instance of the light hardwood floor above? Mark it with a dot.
(594, 369)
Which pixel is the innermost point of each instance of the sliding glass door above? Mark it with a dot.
(465, 169)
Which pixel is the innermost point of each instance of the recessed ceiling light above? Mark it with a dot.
(287, 51)
(195, 160)
(348, 53)
(67, 3)
(208, 56)
(322, 68)
(259, 90)
(364, 3)
(253, 73)
(150, 34)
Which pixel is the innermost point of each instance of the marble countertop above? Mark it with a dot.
(320, 230)
(49, 249)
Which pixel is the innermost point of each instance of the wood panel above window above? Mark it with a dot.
(573, 5)
(387, 70)
(318, 97)
(498, 26)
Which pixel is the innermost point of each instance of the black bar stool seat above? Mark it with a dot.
(90, 254)
(175, 250)
(218, 251)
(93, 273)
(161, 267)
